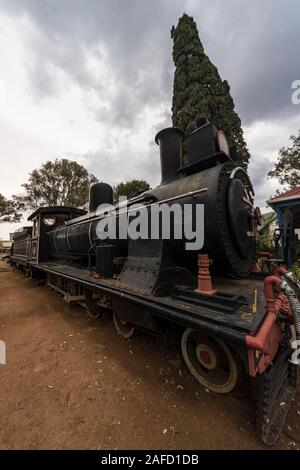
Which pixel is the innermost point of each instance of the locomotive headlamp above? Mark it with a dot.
(223, 143)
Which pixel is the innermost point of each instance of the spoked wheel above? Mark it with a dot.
(210, 361)
(123, 327)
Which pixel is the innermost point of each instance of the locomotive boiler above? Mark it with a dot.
(233, 324)
(209, 178)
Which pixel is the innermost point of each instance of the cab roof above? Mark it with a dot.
(57, 210)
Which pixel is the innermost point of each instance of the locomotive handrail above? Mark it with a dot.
(170, 199)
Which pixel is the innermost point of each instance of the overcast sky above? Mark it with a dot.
(91, 80)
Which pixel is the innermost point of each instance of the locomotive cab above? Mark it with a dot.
(46, 219)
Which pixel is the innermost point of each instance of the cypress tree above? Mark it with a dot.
(199, 91)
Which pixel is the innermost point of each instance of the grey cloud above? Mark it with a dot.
(258, 57)
(259, 172)
(128, 162)
(127, 165)
(253, 44)
(135, 37)
(264, 187)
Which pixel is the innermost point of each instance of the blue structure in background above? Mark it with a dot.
(287, 208)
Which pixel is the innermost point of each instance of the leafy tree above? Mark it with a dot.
(264, 242)
(59, 183)
(130, 189)
(296, 271)
(8, 210)
(199, 91)
(287, 166)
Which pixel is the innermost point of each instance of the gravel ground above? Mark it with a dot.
(71, 382)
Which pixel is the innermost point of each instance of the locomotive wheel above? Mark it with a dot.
(92, 312)
(92, 309)
(123, 327)
(210, 361)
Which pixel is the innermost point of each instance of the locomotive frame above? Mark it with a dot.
(242, 327)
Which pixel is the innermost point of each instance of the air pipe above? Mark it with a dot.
(273, 307)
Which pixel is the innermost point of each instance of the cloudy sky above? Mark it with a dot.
(91, 80)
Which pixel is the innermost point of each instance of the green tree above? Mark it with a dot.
(8, 210)
(199, 91)
(59, 183)
(264, 241)
(296, 271)
(130, 189)
(287, 166)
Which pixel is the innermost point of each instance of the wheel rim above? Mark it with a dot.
(210, 361)
(123, 327)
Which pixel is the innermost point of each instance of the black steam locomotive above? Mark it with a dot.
(236, 327)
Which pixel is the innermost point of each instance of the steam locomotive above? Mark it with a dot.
(233, 323)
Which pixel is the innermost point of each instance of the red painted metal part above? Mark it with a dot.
(264, 254)
(255, 268)
(273, 307)
(259, 254)
(266, 358)
(204, 277)
(279, 270)
(266, 341)
(95, 275)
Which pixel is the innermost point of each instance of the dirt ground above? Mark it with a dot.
(71, 382)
